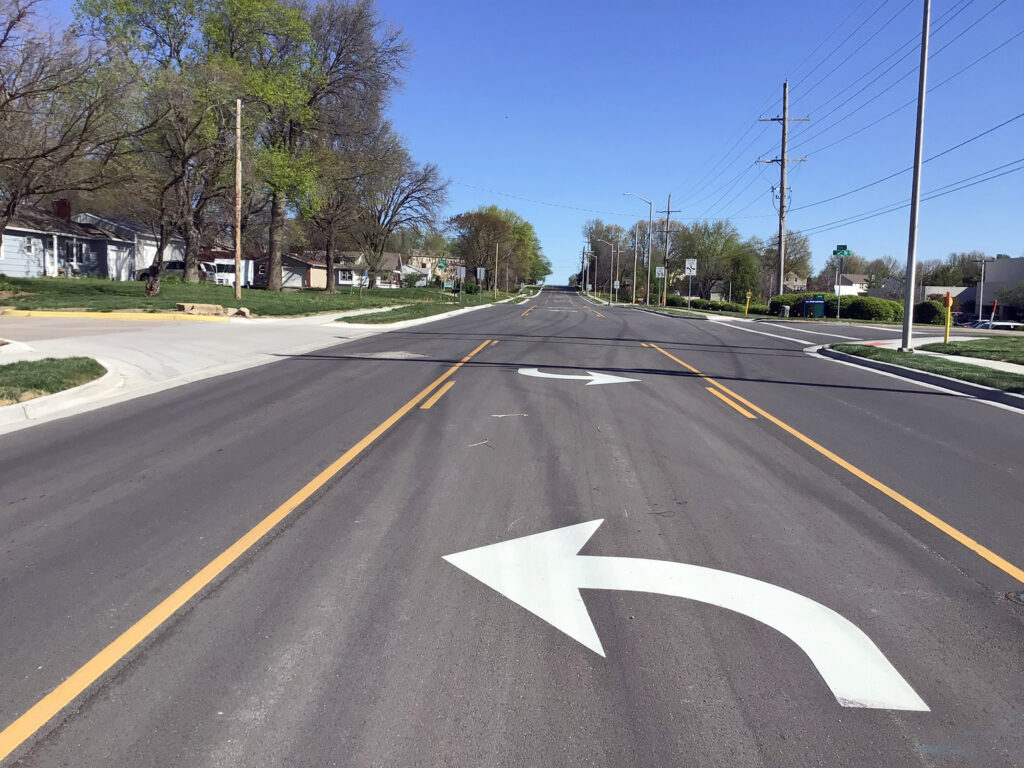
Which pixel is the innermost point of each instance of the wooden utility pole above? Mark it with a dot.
(238, 200)
(668, 214)
(495, 270)
(783, 161)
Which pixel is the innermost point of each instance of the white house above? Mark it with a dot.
(38, 243)
(851, 285)
(142, 239)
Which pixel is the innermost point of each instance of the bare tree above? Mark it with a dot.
(399, 193)
(61, 112)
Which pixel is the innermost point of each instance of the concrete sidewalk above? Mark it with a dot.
(919, 341)
(142, 358)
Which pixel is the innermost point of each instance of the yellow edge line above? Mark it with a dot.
(50, 705)
(429, 402)
(954, 533)
(730, 403)
(529, 311)
(116, 315)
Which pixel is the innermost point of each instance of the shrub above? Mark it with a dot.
(933, 312)
(869, 308)
(471, 287)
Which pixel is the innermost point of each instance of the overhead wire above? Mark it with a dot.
(937, 155)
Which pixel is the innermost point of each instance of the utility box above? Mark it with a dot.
(784, 311)
(815, 307)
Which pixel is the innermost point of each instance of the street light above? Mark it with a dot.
(981, 286)
(650, 226)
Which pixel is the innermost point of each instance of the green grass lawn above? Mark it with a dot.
(1008, 382)
(423, 309)
(1006, 349)
(102, 295)
(23, 381)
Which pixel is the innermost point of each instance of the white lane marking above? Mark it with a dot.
(816, 333)
(760, 333)
(544, 573)
(592, 377)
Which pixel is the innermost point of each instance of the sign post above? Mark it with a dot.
(841, 251)
(949, 314)
(462, 279)
(691, 270)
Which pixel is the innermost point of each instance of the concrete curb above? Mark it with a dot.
(48, 406)
(978, 391)
(115, 315)
(670, 314)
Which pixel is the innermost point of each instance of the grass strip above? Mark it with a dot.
(988, 377)
(421, 309)
(33, 378)
(102, 295)
(1002, 348)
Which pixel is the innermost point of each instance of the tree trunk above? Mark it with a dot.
(330, 265)
(157, 267)
(277, 210)
(191, 236)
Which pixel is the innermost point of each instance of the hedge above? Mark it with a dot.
(852, 307)
(933, 312)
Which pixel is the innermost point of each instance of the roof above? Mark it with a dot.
(124, 228)
(853, 279)
(33, 219)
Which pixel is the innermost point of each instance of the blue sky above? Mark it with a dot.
(554, 109)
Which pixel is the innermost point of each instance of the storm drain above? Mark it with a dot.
(1016, 597)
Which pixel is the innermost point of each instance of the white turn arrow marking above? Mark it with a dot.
(544, 574)
(592, 377)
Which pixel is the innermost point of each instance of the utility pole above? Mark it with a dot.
(238, 201)
(783, 161)
(611, 273)
(915, 194)
(495, 271)
(668, 214)
(636, 240)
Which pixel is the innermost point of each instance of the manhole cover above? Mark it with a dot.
(1016, 597)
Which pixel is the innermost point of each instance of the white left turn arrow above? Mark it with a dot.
(592, 377)
(544, 574)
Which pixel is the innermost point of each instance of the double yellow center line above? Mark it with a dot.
(954, 533)
(50, 705)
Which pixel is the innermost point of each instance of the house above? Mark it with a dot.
(142, 238)
(1000, 274)
(892, 288)
(793, 283)
(297, 272)
(417, 276)
(40, 243)
(851, 285)
(350, 269)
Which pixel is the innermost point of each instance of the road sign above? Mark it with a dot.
(462, 273)
(691, 267)
(592, 377)
(481, 274)
(841, 247)
(590, 286)
(449, 284)
(659, 271)
(544, 574)
(616, 284)
(840, 252)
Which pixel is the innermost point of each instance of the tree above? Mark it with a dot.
(798, 260)
(61, 112)
(881, 269)
(717, 248)
(476, 234)
(398, 193)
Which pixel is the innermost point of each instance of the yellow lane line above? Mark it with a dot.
(429, 402)
(495, 342)
(50, 705)
(954, 533)
(730, 403)
(529, 311)
(595, 312)
(644, 344)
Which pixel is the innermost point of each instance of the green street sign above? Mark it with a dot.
(842, 252)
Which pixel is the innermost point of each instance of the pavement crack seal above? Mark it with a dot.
(40, 713)
(954, 533)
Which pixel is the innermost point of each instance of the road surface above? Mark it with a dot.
(250, 570)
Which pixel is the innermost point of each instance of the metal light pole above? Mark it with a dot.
(915, 195)
(636, 238)
(611, 268)
(650, 227)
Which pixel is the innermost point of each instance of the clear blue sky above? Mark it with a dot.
(554, 109)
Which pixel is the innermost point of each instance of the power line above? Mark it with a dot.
(898, 173)
(942, 191)
(906, 104)
(543, 202)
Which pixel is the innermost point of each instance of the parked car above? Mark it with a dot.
(207, 274)
(999, 325)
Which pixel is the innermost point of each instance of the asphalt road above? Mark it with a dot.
(342, 636)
